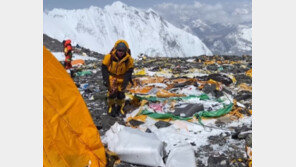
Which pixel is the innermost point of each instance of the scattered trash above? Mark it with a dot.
(220, 78)
(156, 106)
(181, 101)
(84, 86)
(243, 95)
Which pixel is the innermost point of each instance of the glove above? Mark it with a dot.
(121, 89)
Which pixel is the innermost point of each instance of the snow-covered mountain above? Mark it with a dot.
(145, 31)
(222, 38)
(224, 29)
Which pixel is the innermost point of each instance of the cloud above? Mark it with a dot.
(220, 12)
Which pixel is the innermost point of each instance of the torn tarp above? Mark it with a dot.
(155, 99)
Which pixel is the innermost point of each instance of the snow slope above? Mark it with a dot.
(145, 31)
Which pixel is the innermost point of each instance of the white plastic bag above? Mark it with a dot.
(135, 146)
(181, 156)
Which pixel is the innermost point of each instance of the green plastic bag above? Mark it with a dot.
(83, 73)
(208, 114)
(155, 99)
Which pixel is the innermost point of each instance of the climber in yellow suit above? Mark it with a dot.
(117, 69)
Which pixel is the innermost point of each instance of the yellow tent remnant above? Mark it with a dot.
(70, 138)
(249, 73)
(232, 78)
(140, 72)
(244, 86)
(209, 62)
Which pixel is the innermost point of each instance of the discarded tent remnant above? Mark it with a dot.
(64, 116)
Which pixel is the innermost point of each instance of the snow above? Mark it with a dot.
(145, 31)
(61, 57)
(243, 38)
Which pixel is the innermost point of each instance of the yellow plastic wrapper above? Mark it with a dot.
(209, 62)
(163, 94)
(249, 73)
(140, 72)
(141, 90)
(70, 138)
(244, 86)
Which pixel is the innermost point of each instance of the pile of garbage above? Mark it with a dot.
(180, 111)
(200, 107)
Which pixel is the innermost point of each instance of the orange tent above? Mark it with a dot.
(70, 137)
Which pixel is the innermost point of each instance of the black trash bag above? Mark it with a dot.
(209, 88)
(189, 110)
(220, 78)
(135, 122)
(162, 124)
(243, 95)
(217, 77)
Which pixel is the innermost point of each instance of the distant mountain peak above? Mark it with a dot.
(145, 31)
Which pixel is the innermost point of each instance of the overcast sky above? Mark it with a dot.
(215, 11)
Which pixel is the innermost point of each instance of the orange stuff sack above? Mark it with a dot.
(140, 90)
(77, 62)
(70, 138)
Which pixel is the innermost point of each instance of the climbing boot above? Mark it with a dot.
(111, 103)
(121, 106)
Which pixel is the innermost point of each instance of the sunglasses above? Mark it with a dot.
(120, 50)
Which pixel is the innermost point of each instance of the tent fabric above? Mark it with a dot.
(70, 138)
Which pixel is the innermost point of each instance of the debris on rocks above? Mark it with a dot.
(202, 102)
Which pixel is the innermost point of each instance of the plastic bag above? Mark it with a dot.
(135, 146)
(181, 156)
